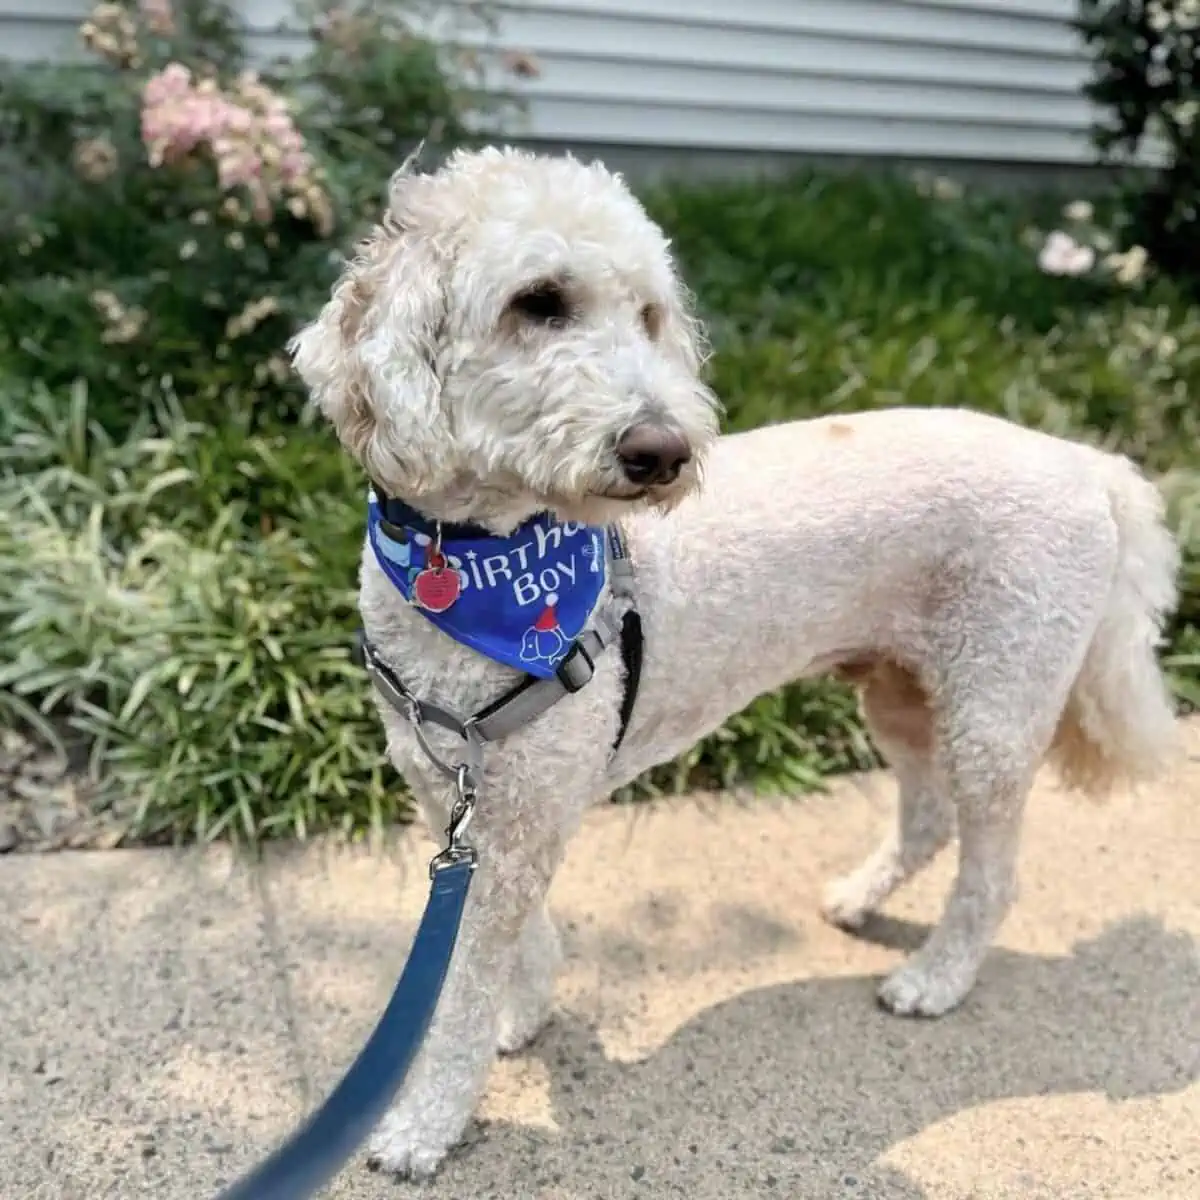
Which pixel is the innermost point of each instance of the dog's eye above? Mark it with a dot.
(652, 320)
(546, 304)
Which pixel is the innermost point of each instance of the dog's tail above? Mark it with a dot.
(1118, 727)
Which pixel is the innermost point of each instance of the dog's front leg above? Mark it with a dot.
(517, 859)
(530, 995)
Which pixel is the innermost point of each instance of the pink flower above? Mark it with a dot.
(173, 81)
(294, 165)
(238, 120)
(278, 126)
(238, 169)
(249, 133)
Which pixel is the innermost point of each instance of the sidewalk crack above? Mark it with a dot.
(283, 985)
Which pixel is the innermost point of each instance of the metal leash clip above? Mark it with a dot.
(461, 814)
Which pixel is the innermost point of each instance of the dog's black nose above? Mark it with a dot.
(652, 454)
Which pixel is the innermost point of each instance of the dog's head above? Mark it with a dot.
(513, 337)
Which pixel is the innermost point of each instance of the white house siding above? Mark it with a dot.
(985, 80)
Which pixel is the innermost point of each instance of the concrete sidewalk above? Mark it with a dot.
(165, 1018)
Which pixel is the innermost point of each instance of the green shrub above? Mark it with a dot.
(1147, 88)
(186, 587)
(168, 212)
(856, 247)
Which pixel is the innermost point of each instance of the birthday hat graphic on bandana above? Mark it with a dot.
(544, 641)
(548, 621)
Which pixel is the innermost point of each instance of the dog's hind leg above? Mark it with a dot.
(996, 711)
(899, 718)
(989, 783)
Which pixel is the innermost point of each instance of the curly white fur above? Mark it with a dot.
(997, 593)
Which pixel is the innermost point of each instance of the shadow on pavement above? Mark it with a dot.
(799, 1089)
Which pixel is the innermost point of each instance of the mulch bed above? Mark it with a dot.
(48, 802)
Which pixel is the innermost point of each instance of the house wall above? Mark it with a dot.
(990, 81)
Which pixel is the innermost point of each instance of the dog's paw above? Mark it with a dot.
(520, 1030)
(515, 1039)
(404, 1148)
(846, 903)
(918, 990)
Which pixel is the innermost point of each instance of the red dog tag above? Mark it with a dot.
(438, 586)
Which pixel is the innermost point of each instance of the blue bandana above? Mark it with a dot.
(521, 600)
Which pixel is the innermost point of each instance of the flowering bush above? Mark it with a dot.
(173, 212)
(1147, 86)
(1085, 247)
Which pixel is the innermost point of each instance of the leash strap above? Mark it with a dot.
(315, 1153)
(632, 642)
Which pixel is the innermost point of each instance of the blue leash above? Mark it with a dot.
(315, 1153)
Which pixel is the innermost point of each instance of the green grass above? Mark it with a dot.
(188, 597)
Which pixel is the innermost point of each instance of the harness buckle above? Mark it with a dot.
(576, 669)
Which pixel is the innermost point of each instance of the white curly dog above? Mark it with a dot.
(513, 341)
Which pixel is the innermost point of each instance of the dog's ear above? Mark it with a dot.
(370, 359)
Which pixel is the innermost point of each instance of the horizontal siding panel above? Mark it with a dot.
(39, 40)
(1041, 25)
(920, 78)
(928, 24)
(631, 123)
(260, 13)
(858, 57)
(13, 12)
(607, 80)
(46, 39)
(1040, 10)
(877, 20)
